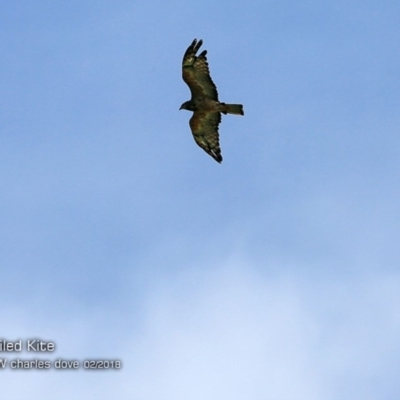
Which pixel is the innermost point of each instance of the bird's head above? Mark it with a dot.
(187, 105)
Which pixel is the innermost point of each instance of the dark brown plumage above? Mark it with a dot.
(204, 102)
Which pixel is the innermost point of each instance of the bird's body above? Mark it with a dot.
(204, 103)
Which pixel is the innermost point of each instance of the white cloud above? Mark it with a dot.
(233, 334)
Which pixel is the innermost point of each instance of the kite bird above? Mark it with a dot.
(204, 102)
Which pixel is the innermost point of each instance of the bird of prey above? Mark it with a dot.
(204, 103)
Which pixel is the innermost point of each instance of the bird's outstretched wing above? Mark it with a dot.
(204, 126)
(196, 74)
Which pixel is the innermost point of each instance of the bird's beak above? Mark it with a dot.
(180, 108)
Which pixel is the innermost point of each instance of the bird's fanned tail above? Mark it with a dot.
(232, 109)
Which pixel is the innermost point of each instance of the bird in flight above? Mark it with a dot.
(204, 103)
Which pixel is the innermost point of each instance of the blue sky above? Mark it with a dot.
(274, 275)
